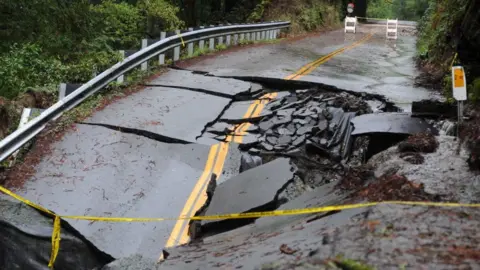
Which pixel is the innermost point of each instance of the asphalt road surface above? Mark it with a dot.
(142, 156)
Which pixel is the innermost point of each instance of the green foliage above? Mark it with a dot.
(379, 9)
(83, 70)
(198, 52)
(474, 91)
(68, 40)
(343, 263)
(436, 27)
(258, 12)
(243, 42)
(119, 24)
(317, 15)
(220, 47)
(27, 66)
(447, 86)
(311, 18)
(401, 9)
(159, 15)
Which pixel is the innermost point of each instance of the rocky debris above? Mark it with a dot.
(308, 119)
(412, 157)
(443, 172)
(253, 190)
(411, 31)
(310, 116)
(356, 237)
(395, 188)
(469, 133)
(356, 178)
(420, 142)
(446, 127)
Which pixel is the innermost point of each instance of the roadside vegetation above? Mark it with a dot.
(46, 42)
(449, 36)
(408, 10)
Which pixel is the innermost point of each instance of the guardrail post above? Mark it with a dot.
(120, 78)
(201, 43)
(176, 50)
(258, 36)
(228, 41)
(62, 89)
(220, 39)
(242, 37)
(235, 39)
(247, 36)
(262, 35)
(211, 42)
(161, 57)
(190, 45)
(144, 65)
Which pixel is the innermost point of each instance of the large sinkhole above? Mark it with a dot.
(304, 137)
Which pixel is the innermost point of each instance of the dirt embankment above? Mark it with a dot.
(10, 110)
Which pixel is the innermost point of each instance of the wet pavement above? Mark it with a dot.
(135, 159)
(142, 156)
(377, 66)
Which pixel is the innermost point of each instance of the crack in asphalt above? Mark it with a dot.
(198, 90)
(242, 96)
(140, 132)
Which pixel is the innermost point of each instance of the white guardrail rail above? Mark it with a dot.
(25, 133)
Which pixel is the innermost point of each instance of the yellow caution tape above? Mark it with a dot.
(55, 241)
(180, 36)
(313, 210)
(36, 206)
(453, 61)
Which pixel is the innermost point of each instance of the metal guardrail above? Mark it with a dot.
(22, 135)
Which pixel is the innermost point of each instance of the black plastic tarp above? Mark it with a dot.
(336, 142)
(25, 241)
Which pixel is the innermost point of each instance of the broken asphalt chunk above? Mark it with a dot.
(254, 190)
(400, 123)
(299, 121)
(266, 125)
(272, 140)
(304, 130)
(285, 131)
(285, 112)
(299, 141)
(266, 146)
(285, 139)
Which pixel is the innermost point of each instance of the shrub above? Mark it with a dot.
(26, 66)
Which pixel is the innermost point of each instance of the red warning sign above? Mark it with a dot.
(350, 7)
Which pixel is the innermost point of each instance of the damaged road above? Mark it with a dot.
(241, 139)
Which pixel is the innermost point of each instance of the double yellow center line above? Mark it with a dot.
(218, 152)
(313, 65)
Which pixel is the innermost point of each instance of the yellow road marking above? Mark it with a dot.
(313, 65)
(197, 198)
(196, 190)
